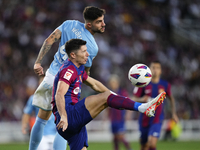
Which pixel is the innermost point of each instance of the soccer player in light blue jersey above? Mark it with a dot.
(70, 29)
(49, 130)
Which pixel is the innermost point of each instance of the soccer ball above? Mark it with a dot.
(139, 75)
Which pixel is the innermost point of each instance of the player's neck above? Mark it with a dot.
(155, 80)
(75, 63)
(89, 30)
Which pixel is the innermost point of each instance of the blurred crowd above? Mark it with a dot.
(137, 31)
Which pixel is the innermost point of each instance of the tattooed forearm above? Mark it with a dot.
(54, 37)
(45, 48)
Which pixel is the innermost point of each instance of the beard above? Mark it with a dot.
(98, 30)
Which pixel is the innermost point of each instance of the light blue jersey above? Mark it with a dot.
(50, 128)
(72, 29)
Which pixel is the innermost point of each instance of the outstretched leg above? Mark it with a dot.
(96, 103)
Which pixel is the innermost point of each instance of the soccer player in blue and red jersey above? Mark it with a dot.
(72, 114)
(70, 29)
(150, 128)
(117, 116)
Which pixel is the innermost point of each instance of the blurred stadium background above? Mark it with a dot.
(137, 31)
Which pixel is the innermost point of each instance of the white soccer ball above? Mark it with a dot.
(139, 75)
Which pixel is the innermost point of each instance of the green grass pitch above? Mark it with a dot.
(189, 145)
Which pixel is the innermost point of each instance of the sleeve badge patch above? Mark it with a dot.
(68, 75)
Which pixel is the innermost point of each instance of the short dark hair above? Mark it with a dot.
(91, 13)
(73, 45)
(156, 62)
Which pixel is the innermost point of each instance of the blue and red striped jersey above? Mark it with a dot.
(72, 76)
(153, 90)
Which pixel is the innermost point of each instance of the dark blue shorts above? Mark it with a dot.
(152, 130)
(117, 127)
(78, 116)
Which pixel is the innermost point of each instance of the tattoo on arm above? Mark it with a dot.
(54, 37)
(45, 48)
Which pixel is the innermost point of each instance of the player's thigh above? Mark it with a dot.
(154, 134)
(44, 114)
(96, 103)
(43, 95)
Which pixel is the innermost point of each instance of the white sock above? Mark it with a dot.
(143, 107)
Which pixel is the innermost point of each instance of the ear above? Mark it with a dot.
(89, 24)
(73, 55)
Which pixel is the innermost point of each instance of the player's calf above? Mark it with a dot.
(121, 102)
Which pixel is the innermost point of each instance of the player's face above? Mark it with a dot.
(98, 25)
(155, 69)
(82, 55)
(114, 84)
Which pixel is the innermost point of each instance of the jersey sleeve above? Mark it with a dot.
(68, 75)
(60, 27)
(63, 25)
(168, 92)
(85, 76)
(138, 92)
(29, 108)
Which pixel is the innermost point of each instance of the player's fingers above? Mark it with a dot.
(59, 125)
(39, 72)
(42, 72)
(24, 131)
(176, 119)
(64, 127)
(38, 69)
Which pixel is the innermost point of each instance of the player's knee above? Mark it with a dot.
(84, 148)
(106, 95)
(152, 145)
(43, 114)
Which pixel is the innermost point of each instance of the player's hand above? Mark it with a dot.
(38, 69)
(62, 124)
(175, 118)
(24, 129)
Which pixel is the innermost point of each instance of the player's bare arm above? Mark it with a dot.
(62, 89)
(173, 109)
(54, 37)
(96, 85)
(87, 69)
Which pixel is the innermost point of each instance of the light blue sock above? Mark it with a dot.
(59, 142)
(37, 133)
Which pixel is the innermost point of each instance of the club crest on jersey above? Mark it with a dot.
(68, 75)
(76, 90)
